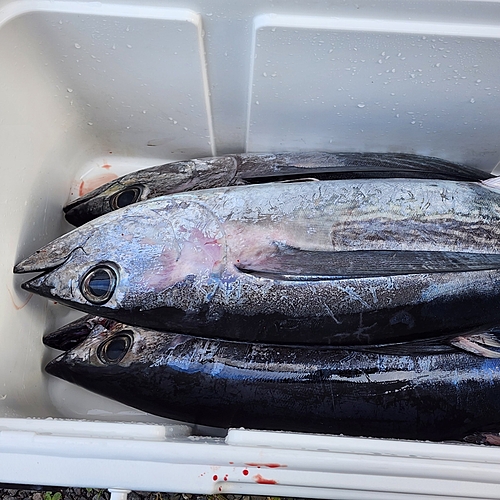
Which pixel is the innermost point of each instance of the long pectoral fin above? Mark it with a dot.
(420, 347)
(481, 341)
(288, 263)
(264, 167)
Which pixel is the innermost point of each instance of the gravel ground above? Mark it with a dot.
(96, 494)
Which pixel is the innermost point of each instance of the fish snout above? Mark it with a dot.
(82, 211)
(39, 286)
(51, 255)
(62, 367)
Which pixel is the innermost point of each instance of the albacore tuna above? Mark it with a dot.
(430, 389)
(346, 261)
(253, 168)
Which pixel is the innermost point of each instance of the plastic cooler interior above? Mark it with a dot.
(92, 90)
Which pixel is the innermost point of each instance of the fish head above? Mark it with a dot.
(117, 360)
(150, 183)
(98, 361)
(127, 259)
(111, 196)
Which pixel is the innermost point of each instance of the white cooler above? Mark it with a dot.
(92, 90)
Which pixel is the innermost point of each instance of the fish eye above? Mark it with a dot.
(126, 197)
(99, 284)
(114, 349)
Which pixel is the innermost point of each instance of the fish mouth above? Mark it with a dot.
(60, 367)
(72, 334)
(90, 195)
(85, 209)
(99, 201)
(39, 286)
(34, 264)
(52, 255)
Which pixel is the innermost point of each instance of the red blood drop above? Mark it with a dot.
(215, 477)
(245, 472)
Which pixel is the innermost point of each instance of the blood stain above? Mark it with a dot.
(271, 466)
(215, 477)
(225, 477)
(86, 186)
(107, 166)
(245, 472)
(262, 480)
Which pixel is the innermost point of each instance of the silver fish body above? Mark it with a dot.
(347, 261)
(416, 390)
(253, 168)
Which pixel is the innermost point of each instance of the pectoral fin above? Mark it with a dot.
(479, 343)
(329, 166)
(289, 263)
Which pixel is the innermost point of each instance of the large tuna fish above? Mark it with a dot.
(253, 168)
(418, 390)
(347, 261)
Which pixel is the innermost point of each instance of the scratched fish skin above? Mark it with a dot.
(418, 390)
(252, 168)
(330, 262)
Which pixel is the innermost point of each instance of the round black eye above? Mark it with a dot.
(99, 284)
(126, 197)
(114, 349)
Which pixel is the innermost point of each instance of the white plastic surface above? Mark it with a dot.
(91, 90)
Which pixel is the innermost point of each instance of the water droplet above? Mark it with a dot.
(78, 46)
(90, 123)
(113, 46)
(361, 105)
(69, 90)
(472, 100)
(129, 46)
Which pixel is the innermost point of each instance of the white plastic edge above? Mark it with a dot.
(354, 445)
(86, 428)
(15, 9)
(208, 464)
(376, 25)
